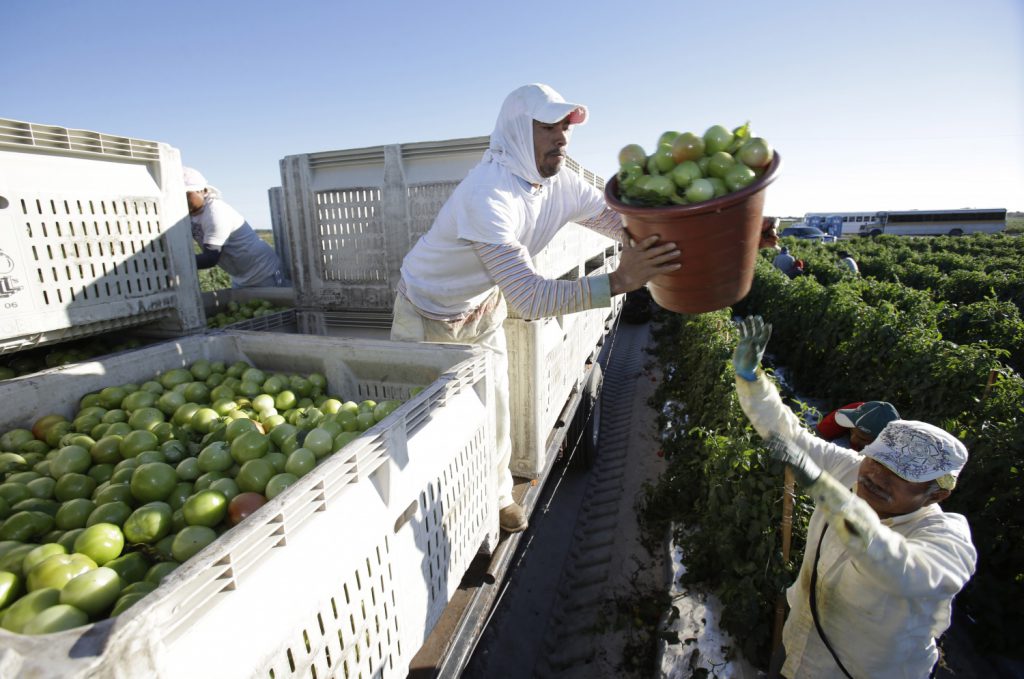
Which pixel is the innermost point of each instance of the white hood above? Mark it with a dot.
(512, 139)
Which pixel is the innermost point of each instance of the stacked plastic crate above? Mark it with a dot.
(346, 571)
(94, 237)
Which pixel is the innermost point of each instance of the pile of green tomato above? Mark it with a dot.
(95, 511)
(33, 360)
(687, 168)
(241, 311)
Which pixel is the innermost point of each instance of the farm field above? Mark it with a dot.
(933, 325)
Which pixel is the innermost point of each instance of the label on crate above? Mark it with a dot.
(15, 295)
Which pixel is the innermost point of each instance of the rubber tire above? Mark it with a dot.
(592, 427)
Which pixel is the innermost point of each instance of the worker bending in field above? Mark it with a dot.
(861, 421)
(883, 561)
(226, 239)
(476, 257)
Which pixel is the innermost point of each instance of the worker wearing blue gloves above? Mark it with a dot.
(883, 561)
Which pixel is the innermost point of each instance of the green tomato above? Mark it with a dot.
(181, 492)
(114, 416)
(42, 488)
(101, 473)
(188, 469)
(301, 461)
(101, 542)
(717, 138)
(190, 540)
(204, 420)
(225, 486)
(344, 438)
(27, 607)
(700, 190)
(93, 592)
(111, 397)
(26, 526)
(153, 481)
(41, 553)
(56, 619)
(139, 399)
(70, 459)
(197, 392)
(756, 152)
(720, 163)
(148, 524)
(278, 483)
(184, 413)
(201, 369)
(130, 567)
(156, 574)
(321, 442)
(385, 408)
(107, 450)
(74, 485)
(172, 378)
(56, 571)
(10, 589)
(115, 513)
(216, 457)
(738, 176)
(249, 445)
(115, 491)
(205, 508)
(687, 146)
(74, 513)
(254, 475)
(137, 441)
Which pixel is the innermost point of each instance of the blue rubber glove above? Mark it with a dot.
(754, 334)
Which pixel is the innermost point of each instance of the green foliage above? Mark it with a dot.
(214, 279)
(865, 338)
(718, 490)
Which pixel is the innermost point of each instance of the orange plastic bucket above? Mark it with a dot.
(717, 240)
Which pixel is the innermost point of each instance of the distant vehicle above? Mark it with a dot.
(937, 222)
(805, 232)
(840, 223)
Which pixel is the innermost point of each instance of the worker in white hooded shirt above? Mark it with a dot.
(476, 257)
(226, 239)
(883, 561)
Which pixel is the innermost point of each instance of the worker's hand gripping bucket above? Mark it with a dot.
(718, 240)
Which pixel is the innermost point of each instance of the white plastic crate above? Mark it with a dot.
(547, 361)
(346, 572)
(94, 236)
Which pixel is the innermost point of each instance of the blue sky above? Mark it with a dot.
(872, 104)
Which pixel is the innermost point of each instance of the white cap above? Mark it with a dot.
(194, 180)
(918, 451)
(542, 103)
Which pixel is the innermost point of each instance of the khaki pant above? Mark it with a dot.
(482, 327)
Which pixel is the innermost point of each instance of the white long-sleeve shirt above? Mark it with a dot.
(487, 233)
(883, 608)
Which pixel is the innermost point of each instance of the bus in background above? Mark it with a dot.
(839, 224)
(937, 222)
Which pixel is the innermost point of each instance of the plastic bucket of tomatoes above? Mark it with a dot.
(717, 239)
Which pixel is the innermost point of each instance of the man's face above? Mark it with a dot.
(549, 142)
(889, 495)
(195, 200)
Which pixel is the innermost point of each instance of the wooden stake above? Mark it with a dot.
(788, 496)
